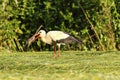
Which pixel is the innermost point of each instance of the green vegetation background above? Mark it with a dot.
(96, 22)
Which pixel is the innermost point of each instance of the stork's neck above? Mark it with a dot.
(46, 39)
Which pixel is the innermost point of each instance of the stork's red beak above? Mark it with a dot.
(37, 36)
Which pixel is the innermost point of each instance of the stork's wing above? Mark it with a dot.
(70, 39)
(57, 35)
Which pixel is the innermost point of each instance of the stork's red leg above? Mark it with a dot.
(54, 50)
(58, 51)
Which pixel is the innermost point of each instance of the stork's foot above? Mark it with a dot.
(55, 55)
(58, 55)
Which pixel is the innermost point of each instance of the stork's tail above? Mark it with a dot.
(76, 40)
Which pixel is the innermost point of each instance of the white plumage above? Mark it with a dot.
(52, 36)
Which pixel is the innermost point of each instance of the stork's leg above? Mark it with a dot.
(54, 50)
(58, 50)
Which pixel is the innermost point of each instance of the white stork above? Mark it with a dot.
(54, 37)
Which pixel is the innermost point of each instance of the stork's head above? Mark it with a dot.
(40, 34)
(37, 35)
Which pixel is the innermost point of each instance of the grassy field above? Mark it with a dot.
(73, 65)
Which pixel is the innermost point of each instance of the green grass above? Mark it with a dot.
(72, 65)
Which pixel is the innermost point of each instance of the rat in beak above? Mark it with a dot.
(37, 36)
(32, 39)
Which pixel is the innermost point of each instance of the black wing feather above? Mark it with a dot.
(69, 39)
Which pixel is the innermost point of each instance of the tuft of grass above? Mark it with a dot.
(73, 65)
